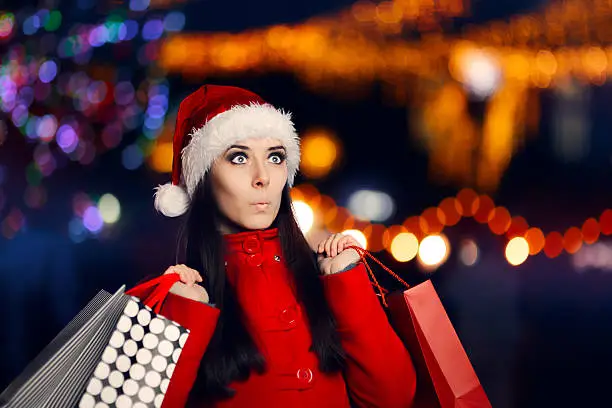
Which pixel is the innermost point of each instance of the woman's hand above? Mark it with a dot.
(332, 255)
(188, 287)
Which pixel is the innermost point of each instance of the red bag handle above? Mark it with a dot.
(157, 297)
(363, 254)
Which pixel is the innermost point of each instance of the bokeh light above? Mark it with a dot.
(517, 251)
(7, 24)
(371, 205)
(92, 220)
(374, 233)
(109, 208)
(132, 157)
(320, 151)
(47, 71)
(433, 250)
(590, 231)
(479, 71)
(536, 240)
(304, 215)
(174, 21)
(499, 220)
(67, 138)
(572, 240)
(450, 207)
(404, 247)
(468, 252)
(553, 245)
(605, 222)
(76, 230)
(139, 5)
(152, 30)
(484, 209)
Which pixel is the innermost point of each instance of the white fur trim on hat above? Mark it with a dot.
(171, 200)
(229, 127)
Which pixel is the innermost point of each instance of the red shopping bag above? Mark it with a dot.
(445, 376)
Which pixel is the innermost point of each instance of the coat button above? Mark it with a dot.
(251, 245)
(305, 375)
(277, 258)
(289, 317)
(255, 260)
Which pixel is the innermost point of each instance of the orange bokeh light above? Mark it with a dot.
(450, 207)
(536, 240)
(554, 244)
(430, 220)
(485, 206)
(572, 240)
(468, 202)
(413, 224)
(311, 195)
(590, 231)
(499, 220)
(374, 234)
(518, 227)
(605, 222)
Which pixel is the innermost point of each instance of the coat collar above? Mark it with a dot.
(250, 242)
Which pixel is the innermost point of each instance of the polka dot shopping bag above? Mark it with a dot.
(117, 352)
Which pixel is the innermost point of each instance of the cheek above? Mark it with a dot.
(278, 178)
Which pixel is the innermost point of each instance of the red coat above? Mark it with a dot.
(379, 370)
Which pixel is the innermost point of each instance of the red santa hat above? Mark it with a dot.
(209, 121)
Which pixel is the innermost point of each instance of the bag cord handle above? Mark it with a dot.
(364, 254)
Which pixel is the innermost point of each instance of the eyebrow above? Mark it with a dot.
(234, 146)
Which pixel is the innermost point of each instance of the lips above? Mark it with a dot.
(261, 205)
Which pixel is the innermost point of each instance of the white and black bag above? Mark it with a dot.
(117, 352)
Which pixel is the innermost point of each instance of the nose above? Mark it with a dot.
(261, 177)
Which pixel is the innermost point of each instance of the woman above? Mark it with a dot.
(272, 325)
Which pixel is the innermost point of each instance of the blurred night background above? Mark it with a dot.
(466, 141)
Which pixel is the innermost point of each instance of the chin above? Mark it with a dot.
(259, 222)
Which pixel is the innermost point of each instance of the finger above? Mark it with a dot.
(192, 277)
(191, 274)
(328, 243)
(320, 247)
(181, 275)
(169, 270)
(334, 245)
(186, 277)
(343, 243)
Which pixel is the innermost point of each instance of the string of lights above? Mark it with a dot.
(404, 241)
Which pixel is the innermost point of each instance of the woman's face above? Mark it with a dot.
(247, 182)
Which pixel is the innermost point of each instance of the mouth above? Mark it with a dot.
(261, 205)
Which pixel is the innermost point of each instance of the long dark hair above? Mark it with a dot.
(232, 354)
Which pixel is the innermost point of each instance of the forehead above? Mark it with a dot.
(260, 142)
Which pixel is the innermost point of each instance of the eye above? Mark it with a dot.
(238, 158)
(277, 157)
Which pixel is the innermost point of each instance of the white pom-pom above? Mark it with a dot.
(171, 200)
